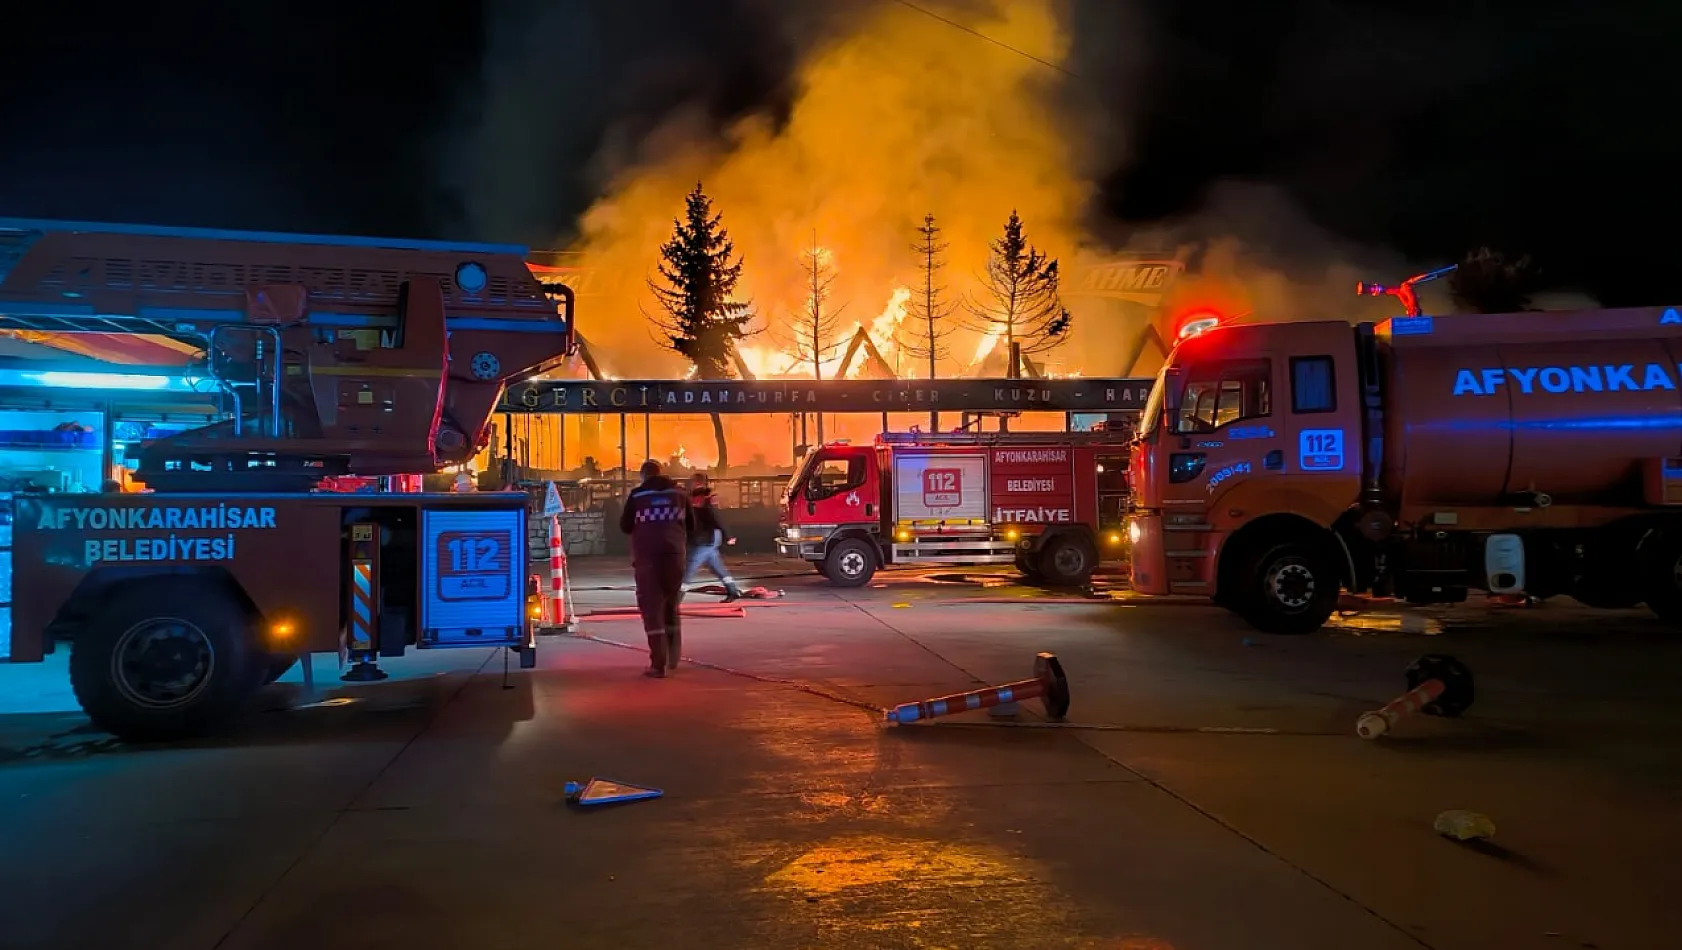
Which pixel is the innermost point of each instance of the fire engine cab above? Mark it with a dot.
(1051, 503)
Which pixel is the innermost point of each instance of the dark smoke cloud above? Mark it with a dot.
(568, 94)
(259, 114)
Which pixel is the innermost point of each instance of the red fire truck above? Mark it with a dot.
(1052, 503)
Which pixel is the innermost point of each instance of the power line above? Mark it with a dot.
(982, 36)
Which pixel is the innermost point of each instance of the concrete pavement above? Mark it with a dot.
(427, 810)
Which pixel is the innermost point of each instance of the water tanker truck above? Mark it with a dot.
(1420, 458)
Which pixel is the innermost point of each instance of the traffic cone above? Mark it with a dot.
(560, 590)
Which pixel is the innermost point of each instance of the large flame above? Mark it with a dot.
(904, 116)
(907, 115)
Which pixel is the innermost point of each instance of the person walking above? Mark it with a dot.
(707, 543)
(659, 519)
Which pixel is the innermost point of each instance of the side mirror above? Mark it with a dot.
(1173, 379)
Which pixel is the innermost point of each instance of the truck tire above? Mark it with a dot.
(1030, 569)
(1291, 588)
(167, 659)
(1067, 562)
(851, 563)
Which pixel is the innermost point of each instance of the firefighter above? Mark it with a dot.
(659, 519)
(705, 545)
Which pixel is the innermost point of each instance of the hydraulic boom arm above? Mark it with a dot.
(338, 355)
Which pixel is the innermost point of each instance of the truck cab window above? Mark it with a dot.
(833, 476)
(1219, 394)
(1313, 386)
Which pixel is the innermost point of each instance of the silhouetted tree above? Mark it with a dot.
(1021, 295)
(814, 331)
(699, 317)
(1487, 282)
(926, 327)
(928, 314)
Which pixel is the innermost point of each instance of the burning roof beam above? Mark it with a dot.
(873, 361)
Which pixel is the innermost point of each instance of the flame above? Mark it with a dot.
(984, 349)
(901, 116)
(904, 116)
(772, 362)
(884, 330)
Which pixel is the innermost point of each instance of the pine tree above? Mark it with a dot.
(1487, 282)
(813, 332)
(1021, 295)
(928, 314)
(699, 317)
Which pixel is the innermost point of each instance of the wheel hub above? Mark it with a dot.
(1069, 560)
(162, 663)
(1292, 585)
(852, 563)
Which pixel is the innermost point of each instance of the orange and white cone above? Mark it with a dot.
(560, 590)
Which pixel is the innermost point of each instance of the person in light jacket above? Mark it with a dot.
(707, 543)
(659, 520)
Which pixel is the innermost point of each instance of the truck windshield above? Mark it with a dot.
(1221, 393)
(799, 475)
(1152, 413)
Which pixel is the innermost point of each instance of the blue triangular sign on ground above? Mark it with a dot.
(604, 791)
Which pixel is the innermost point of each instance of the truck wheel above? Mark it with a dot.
(1025, 564)
(1067, 562)
(1293, 589)
(167, 659)
(851, 563)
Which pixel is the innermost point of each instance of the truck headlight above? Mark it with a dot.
(1133, 532)
(793, 534)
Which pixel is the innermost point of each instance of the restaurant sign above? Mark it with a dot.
(672, 397)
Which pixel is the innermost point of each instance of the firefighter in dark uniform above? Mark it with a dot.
(659, 519)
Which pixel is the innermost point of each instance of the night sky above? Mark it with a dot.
(1551, 128)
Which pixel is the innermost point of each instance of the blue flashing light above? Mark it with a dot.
(134, 382)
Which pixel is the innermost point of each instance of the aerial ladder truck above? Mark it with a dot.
(333, 356)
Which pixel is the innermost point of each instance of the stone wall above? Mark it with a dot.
(583, 531)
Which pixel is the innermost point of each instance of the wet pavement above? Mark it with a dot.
(1208, 792)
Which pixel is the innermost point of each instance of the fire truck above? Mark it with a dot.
(1421, 457)
(1051, 503)
(335, 358)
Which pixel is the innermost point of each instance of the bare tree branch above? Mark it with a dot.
(814, 332)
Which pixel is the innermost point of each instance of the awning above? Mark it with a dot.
(122, 348)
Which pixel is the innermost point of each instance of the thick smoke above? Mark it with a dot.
(849, 120)
(901, 115)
